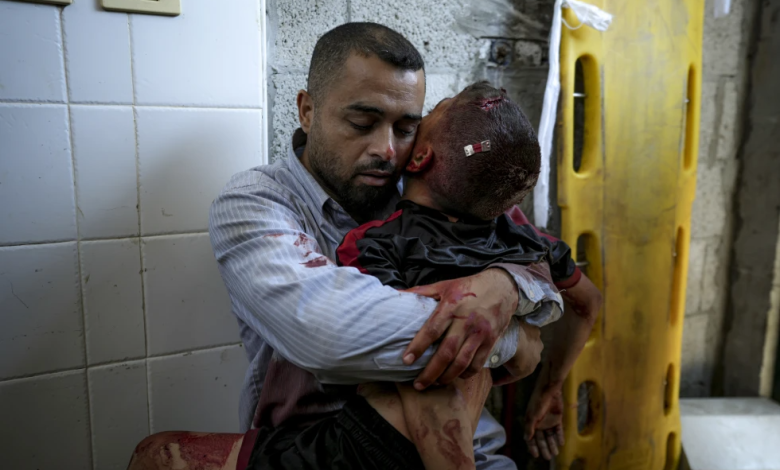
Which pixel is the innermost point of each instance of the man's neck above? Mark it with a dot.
(417, 191)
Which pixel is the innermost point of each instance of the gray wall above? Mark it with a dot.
(724, 85)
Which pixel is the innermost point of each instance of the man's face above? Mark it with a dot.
(362, 132)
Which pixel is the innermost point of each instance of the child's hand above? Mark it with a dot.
(544, 421)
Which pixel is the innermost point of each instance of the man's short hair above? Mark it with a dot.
(487, 183)
(368, 39)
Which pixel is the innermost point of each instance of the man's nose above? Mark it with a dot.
(383, 144)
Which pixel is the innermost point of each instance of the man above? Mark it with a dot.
(275, 229)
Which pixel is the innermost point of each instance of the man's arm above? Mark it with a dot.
(342, 326)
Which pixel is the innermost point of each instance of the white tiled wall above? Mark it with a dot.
(116, 132)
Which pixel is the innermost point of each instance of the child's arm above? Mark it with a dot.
(543, 430)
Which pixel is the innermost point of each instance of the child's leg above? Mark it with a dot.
(442, 420)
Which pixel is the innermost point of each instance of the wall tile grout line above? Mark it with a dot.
(36, 243)
(165, 106)
(140, 230)
(104, 365)
(90, 424)
(102, 239)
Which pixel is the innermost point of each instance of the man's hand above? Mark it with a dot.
(525, 360)
(473, 311)
(543, 421)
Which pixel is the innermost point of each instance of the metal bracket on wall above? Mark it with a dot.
(150, 7)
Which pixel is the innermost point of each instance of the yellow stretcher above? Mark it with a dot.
(635, 89)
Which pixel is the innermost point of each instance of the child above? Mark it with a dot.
(476, 156)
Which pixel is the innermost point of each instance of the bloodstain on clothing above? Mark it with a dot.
(302, 240)
(273, 235)
(207, 451)
(316, 262)
(488, 103)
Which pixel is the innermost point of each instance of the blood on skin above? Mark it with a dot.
(449, 447)
(488, 103)
(579, 306)
(199, 451)
(207, 451)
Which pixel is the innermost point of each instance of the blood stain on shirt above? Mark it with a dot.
(302, 240)
(316, 262)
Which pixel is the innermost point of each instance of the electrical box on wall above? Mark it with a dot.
(152, 7)
(51, 2)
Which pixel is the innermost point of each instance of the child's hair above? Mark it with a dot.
(487, 183)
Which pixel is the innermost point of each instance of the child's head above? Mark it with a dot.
(488, 182)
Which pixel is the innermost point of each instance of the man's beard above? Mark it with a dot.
(362, 202)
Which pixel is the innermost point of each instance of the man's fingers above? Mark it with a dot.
(443, 357)
(461, 366)
(432, 330)
(480, 358)
(559, 435)
(542, 443)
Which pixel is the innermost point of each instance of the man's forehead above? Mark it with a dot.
(373, 82)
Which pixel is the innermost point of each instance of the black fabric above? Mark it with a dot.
(421, 246)
(356, 437)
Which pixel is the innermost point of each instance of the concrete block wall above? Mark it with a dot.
(116, 132)
(295, 25)
(724, 74)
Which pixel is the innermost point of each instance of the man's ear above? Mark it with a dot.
(305, 110)
(422, 157)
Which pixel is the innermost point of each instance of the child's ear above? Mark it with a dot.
(421, 160)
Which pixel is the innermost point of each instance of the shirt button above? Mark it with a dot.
(494, 359)
(531, 295)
